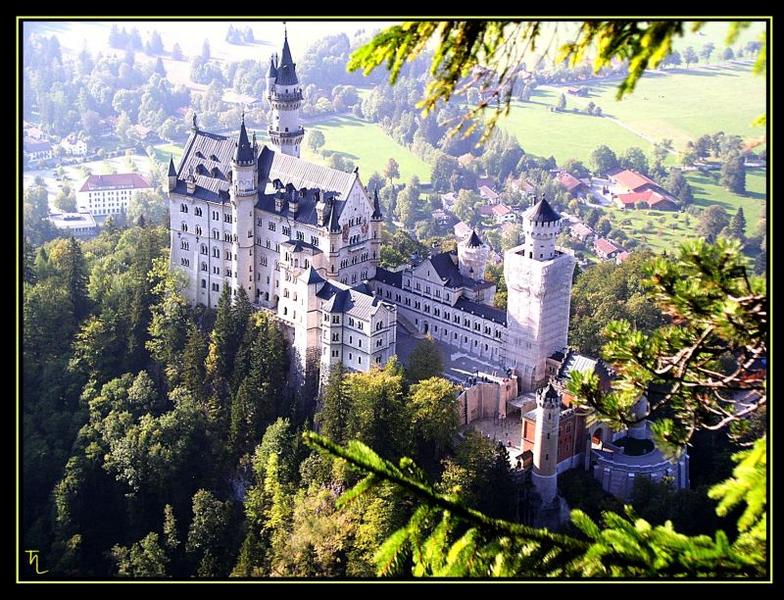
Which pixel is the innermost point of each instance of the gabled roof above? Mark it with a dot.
(394, 278)
(542, 212)
(311, 276)
(605, 246)
(569, 181)
(351, 301)
(632, 179)
(112, 182)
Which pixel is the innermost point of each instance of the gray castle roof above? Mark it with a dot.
(542, 212)
(172, 170)
(243, 154)
(272, 72)
(209, 156)
(474, 241)
(351, 301)
(287, 73)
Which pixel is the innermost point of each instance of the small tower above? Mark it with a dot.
(272, 74)
(541, 225)
(172, 175)
(376, 223)
(243, 194)
(472, 257)
(284, 94)
(548, 416)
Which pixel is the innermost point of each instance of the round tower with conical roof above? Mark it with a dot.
(243, 195)
(472, 256)
(548, 416)
(284, 94)
(541, 225)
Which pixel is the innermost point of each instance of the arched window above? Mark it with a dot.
(185, 226)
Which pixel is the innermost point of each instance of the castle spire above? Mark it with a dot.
(376, 206)
(243, 153)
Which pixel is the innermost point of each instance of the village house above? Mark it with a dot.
(572, 185)
(582, 232)
(605, 249)
(634, 190)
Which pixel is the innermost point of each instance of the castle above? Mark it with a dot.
(303, 242)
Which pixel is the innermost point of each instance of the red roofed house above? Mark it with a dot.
(605, 249)
(621, 257)
(582, 232)
(109, 194)
(631, 187)
(488, 194)
(571, 184)
(503, 214)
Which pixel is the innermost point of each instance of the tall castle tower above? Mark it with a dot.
(539, 282)
(243, 195)
(284, 94)
(472, 257)
(376, 224)
(548, 416)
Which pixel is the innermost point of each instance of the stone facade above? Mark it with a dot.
(299, 238)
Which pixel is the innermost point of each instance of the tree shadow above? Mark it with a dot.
(756, 195)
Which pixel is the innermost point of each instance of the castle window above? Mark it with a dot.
(335, 337)
(301, 236)
(198, 230)
(215, 216)
(271, 226)
(204, 283)
(185, 262)
(185, 227)
(204, 266)
(197, 211)
(215, 287)
(286, 231)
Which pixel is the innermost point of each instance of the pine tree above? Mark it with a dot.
(194, 357)
(73, 271)
(425, 361)
(737, 226)
(220, 359)
(334, 415)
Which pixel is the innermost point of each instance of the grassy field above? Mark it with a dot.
(162, 152)
(368, 146)
(665, 230)
(564, 135)
(664, 105)
(673, 104)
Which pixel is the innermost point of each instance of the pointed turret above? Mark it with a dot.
(287, 74)
(474, 241)
(333, 220)
(272, 73)
(376, 207)
(172, 174)
(243, 152)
